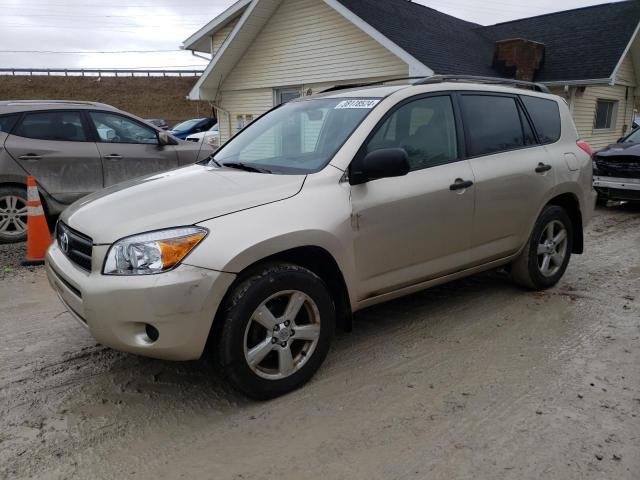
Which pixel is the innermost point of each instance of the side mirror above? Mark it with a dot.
(620, 140)
(165, 139)
(384, 163)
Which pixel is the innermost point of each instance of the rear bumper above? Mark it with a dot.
(180, 304)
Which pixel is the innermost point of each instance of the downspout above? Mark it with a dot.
(226, 112)
(625, 127)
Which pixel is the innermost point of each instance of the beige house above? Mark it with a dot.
(265, 52)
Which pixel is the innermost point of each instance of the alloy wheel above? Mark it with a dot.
(282, 334)
(13, 216)
(552, 248)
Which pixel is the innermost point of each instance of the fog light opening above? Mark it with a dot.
(152, 332)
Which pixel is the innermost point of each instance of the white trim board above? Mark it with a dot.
(211, 27)
(614, 75)
(194, 94)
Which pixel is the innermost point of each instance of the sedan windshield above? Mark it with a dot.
(297, 138)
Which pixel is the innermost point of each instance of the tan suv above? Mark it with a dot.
(320, 208)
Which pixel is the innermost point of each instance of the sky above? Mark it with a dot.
(146, 34)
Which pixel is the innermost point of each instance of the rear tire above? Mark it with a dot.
(277, 328)
(13, 214)
(546, 256)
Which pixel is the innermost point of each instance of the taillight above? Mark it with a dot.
(585, 147)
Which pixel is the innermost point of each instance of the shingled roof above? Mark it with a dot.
(581, 44)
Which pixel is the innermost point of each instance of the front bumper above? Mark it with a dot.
(617, 188)
(180, 304)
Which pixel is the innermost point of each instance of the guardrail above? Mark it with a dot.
(98, 72)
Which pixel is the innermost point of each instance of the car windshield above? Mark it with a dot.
(187, 125)
(296, 138)
(634, 137)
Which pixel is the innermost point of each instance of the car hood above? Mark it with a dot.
(176, 198)
(619, 160)
(631, 149)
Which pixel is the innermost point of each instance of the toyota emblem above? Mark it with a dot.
(64, 242)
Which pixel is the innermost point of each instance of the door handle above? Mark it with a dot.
(460, 184)
(542, 168)
(113, 156)
(30, 156)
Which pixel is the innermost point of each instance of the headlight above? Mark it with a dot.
(153, 252)
(213, 141)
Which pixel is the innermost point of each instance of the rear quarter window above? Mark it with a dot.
(7, 122)
(545, 115)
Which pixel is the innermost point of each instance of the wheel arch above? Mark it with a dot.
(22, 184)
(570, 203)
(319, 261)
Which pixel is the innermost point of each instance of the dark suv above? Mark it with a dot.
(75, 148)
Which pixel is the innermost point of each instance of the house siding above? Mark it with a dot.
(626, 74)
(221, 35)
(584, 110)
(241, 102)
(306, 41)
(306, 44)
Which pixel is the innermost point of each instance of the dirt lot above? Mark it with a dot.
(476, 379)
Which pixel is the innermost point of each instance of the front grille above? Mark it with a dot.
(618, 166)
(77, 247)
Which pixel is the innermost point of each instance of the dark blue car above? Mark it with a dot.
(184, 129)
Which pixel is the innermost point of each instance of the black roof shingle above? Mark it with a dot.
(580, 44)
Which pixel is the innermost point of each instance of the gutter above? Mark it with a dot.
(595, 81)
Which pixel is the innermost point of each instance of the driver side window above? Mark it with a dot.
(425, 128)
(114, 128)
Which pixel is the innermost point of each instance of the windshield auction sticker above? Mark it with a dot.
(368, 104)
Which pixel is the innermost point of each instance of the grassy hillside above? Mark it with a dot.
(147, 97)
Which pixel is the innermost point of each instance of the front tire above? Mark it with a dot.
(546, 256)
(278, 324)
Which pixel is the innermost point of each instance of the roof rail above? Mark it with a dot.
(476, 79)
(369, 84)
(55, 102)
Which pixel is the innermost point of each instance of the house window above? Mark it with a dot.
(284, 95)
(605, 114)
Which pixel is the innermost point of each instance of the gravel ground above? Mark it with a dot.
(472, 380)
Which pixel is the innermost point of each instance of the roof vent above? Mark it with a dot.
(518, 58)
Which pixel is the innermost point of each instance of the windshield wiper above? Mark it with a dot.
(245, 167)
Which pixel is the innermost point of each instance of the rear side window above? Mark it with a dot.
(493, 124)
(7, 122)
(546, 118)
(61, 126)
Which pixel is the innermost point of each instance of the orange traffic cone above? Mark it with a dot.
(38, 236)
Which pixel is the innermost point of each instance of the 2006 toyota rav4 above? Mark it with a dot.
(322, 207)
